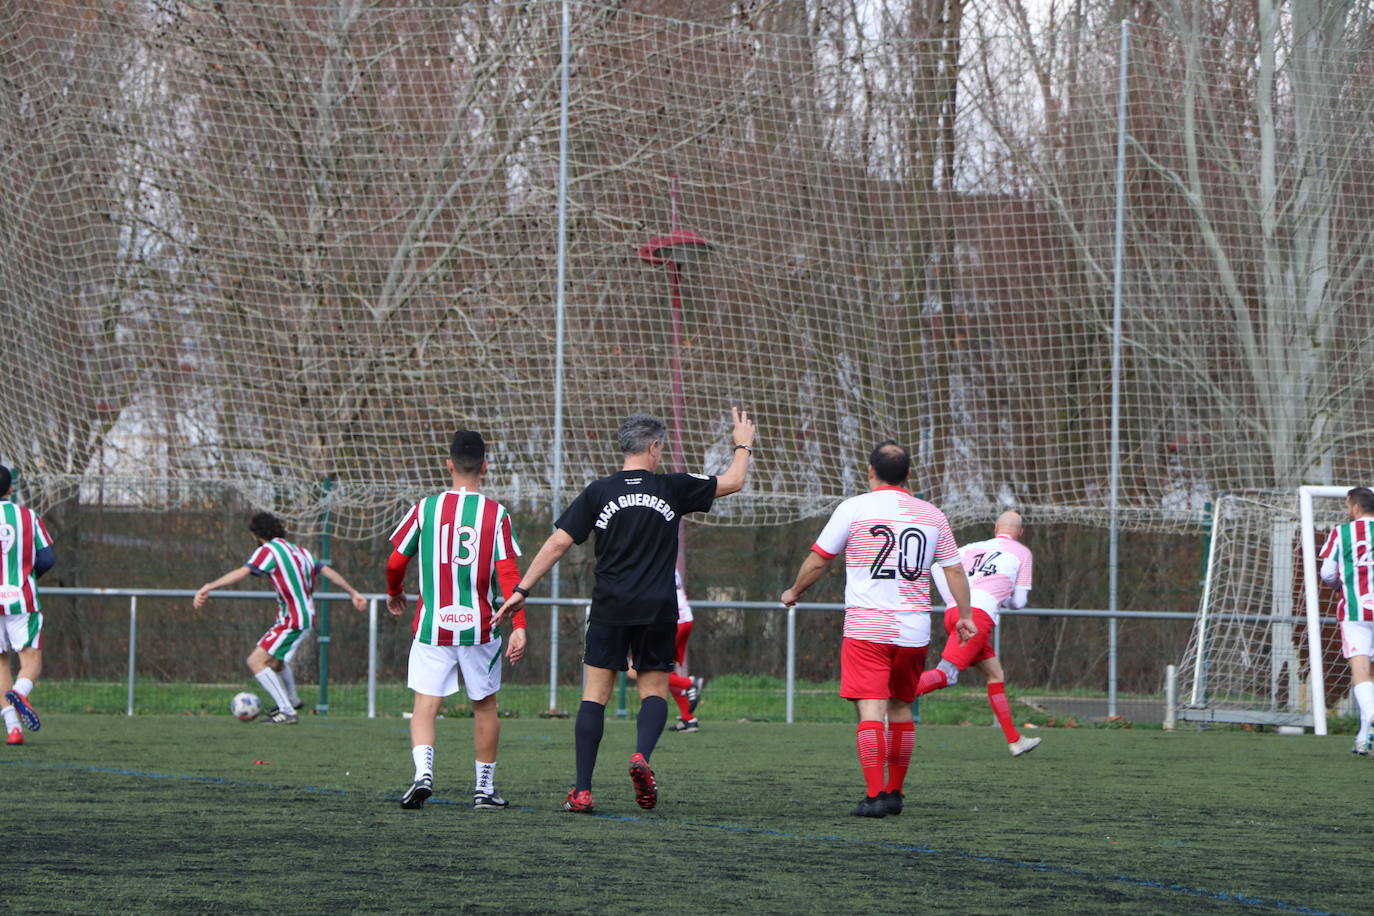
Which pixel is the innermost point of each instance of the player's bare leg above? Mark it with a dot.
(997, 699)
(1363, 688)
(17, 695)
(264, 665)
(486, 739)
(422, 716)
(14, 735)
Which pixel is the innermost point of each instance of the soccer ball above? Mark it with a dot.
(246, 706)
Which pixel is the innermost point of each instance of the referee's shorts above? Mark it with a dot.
(653, 646)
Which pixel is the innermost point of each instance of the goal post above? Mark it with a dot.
(1311, 590)
(1253, 657)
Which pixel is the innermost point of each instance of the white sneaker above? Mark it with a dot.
(1363, 746)
(488, 801)
(1023, 746)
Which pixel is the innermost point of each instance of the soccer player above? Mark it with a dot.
(293, 572)
(999, 574)
(1348, 564)
(686, 690)
(890, 540)
(25, 554)
(635, 514)
(466, 543)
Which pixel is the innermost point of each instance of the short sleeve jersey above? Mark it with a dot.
(460, 537)
(22, 535)
(890, 540)
(635, 515)
(997, 567)
(1351, 546)
(292, 571)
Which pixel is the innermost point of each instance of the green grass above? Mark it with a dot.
(205, 814)
(733, 697)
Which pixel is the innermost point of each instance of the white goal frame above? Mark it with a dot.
(1311, 596)
(1198, 705)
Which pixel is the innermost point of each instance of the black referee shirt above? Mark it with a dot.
(635, 515)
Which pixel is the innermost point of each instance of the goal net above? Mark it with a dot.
(262, 245)
(1264, 649)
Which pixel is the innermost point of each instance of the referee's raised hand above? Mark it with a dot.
(732, 480)
(744, 428)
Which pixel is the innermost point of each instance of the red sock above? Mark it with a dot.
(684, 709)
(677, 686)
(901, 738)
(934, 679)
(872, 754)
(997, 699)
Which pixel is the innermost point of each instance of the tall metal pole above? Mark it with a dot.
(560, 308)
(1118, 256)
(675, 433)
(322, 630)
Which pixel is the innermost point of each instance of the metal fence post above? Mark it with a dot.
(1170, 697)
(372, 658)
(791, 662)
(133, 651)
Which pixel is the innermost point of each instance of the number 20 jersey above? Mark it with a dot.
(460, 535)
(890, 539)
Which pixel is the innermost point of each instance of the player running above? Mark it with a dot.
(466, 544)
(635, 514)
(293, 572)
(999, 574)
(25, 554)
(890, 540)
(1348, 565)
(686, 690)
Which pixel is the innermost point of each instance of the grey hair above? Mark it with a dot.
(638, 431)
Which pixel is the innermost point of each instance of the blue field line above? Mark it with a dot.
(1203, 893)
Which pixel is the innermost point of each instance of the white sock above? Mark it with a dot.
(1364, 696)
(11, 718)
(272, 684)
(486, 777)
(423, 755)
(23, 686)
(288, 680)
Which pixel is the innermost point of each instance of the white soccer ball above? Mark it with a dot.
(246, 706)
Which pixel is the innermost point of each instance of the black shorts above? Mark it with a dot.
(653, 645)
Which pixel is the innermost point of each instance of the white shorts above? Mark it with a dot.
(433, 670)
(1357, 637)
(21, 631)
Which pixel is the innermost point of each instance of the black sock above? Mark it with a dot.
(653, 715)
(591, 722)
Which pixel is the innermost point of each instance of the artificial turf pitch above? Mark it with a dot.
(206, 814)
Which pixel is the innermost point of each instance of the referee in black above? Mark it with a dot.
(635, 514)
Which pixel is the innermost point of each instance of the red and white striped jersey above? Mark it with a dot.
(292, 570)
(22, 535)
(890, 539)
(1351, 548)
(460, 536)
(997, 567)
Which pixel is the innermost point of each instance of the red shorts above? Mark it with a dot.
(977, 649)
(879, 671)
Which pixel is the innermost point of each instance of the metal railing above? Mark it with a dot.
(375, 599)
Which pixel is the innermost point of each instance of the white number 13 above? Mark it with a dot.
(465, 546)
